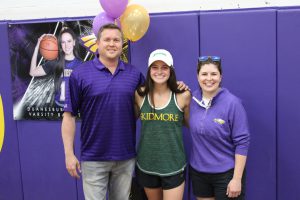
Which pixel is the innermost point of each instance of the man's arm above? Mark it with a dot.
(68, 134)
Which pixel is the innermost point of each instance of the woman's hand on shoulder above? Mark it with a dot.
(184, 99)
(182, 86)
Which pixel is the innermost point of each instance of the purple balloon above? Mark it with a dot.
(114, 8)
(100, 20)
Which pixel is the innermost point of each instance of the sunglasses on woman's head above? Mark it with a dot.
(213, 58)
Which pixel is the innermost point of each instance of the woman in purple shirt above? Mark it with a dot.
(220, 136)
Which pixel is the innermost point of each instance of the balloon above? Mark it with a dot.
(100, 20)
(114, 8)
(135, 22)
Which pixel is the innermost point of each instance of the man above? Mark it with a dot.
(102, 90)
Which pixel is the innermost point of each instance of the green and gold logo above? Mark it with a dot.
(219, 121)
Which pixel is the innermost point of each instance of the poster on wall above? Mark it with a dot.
(42, 57)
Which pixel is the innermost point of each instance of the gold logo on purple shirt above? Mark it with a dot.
(219, 121)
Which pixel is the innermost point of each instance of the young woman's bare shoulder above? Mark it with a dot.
(184, 95)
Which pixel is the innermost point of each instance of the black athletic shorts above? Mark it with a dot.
(155, 181)
(213, 184)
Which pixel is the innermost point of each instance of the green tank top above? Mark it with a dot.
(161, 150)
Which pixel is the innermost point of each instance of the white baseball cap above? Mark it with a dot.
(161, 54)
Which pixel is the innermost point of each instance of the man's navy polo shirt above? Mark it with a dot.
(106, 106)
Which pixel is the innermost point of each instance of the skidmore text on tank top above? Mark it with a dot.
(159, 117)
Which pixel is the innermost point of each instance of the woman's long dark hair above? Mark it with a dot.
(148, 85)
(61, 56)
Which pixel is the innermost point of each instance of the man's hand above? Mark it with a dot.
(73, 166)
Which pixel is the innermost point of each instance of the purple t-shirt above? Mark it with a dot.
(218, 132)
(106, 104)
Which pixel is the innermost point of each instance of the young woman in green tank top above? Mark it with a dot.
(162, 109)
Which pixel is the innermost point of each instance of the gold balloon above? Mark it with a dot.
(135, 22)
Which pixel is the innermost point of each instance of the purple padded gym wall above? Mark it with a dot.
(246, 40)
(42, 161)
(10, 173)
(288, 103)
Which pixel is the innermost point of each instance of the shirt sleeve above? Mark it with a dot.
(49, 66)
(72, 102)
(141, 80)
(239, 128)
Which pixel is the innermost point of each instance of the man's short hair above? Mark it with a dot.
(108, 26)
